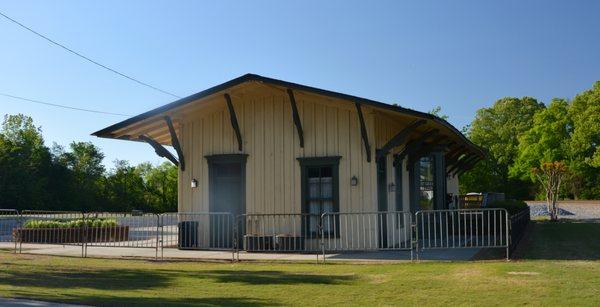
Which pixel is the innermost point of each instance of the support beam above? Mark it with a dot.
(175, 142)
(456, 152)
(159, 149)
(454, 159)
(461, 163)
(467, 166)
(234, 121)
(399, 138)
(296, 117)
(414, 145)
(363, 131)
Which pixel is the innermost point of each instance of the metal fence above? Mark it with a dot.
(518, 224)
(305, 233)
(279, 232)
(9, 222)
(466, 228)
(198, 230)
(122, 229)
(365, 231)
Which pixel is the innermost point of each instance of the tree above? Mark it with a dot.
(84, 162)
(585, 140)
(548, 139)
(437, 111)
(550, 175)
(25, 164)
(161, 185)
(497, 129)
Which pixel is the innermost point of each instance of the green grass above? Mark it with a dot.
(533, 280)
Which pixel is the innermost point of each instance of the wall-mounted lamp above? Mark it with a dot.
(392, 187)
(354, 181)
(194, 183)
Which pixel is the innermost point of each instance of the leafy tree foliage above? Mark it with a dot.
(498, 129)
(585, 141)
(32, 176)
(522, 134)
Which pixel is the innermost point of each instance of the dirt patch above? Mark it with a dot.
(523, 273)
(379, 278)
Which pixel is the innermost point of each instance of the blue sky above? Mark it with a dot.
(460, 55)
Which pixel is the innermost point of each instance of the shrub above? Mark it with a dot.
(97, 222)
(512, 206)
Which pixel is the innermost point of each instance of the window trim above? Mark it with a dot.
(334, 163)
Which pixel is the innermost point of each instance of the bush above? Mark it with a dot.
(512, 206)
(97, 222)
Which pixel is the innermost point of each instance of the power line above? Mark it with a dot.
(62, 106)
(86, 58)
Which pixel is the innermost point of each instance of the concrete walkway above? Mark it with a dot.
(176, 254)
(12, 302)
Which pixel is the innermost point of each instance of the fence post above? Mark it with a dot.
(15, 234)
(508, 238)
(322, 237)
(241, 219)
(415, 244)
(157, 236)
(83, 236)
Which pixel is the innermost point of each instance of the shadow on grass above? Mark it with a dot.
(271, 277)
(114, 287)
(140, 279)
(102, 300)
(563, 240)
(121, 279)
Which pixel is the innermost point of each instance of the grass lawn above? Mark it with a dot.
(538, 279)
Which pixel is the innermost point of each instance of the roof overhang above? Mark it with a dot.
(152, 123)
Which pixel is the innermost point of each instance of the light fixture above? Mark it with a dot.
(392, 187)
(194, 183)
(354, 181)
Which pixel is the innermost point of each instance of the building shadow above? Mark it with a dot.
(112, 279)
(562, 240)
(103, 300)
(266, 277)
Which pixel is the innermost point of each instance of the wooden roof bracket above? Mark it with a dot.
(363, 131)
(400, 137)
(175, 142)
(467, 166)
(234, 121)
(159, 149)
(414, 145)
(296, 117)
(461, 163)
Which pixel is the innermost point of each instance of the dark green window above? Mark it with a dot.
(320, 192)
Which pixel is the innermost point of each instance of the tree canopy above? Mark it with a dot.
(523, 134)
(33, 176)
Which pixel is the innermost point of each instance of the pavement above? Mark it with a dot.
(204, 255)
(11, 302)
(585, 210)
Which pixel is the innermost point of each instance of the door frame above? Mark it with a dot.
(226, 159)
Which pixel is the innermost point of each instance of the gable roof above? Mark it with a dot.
(107, 132)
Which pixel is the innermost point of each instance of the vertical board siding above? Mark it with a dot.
(273, 183)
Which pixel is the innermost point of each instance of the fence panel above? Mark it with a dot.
(51, 227)
(463, 228)
(518, 224)
(122, 229)
(364, 231)
(198, 230)
(9, 222)
(285, 232)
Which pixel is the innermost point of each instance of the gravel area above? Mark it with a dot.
(577, 210)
